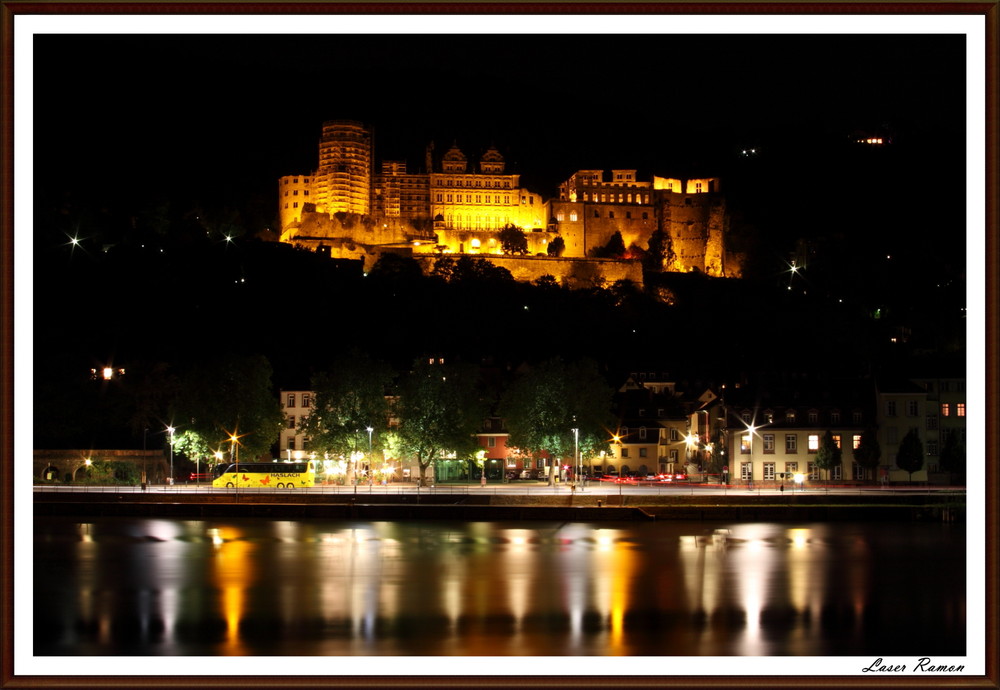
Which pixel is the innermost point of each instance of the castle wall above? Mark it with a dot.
(602, 221)
(573, 273)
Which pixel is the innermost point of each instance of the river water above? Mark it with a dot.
(245, 586)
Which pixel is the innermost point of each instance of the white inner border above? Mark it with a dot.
(25, 26)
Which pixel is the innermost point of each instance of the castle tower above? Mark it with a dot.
(344, 178)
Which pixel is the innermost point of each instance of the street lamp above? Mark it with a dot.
(170, 430)
(234, 447)
(371, 462)
(577, 463)
(750, 431)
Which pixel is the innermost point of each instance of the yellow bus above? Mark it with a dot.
(271, 475)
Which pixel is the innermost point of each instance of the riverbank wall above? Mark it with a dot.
(465, 507)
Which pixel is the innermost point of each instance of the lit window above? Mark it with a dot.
(856, 441)
(572, 215)
(945, 410)
(960, 409)
(836, 440)
(745, 444)
(813, 443)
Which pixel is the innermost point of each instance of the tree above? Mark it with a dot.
(544, 405)
(513, 240)
(220, 397)
(350, 399)
(614, 249)
(439, 410)
(657, 251)
(868, 452)
(911, 453)
(829, 455)
(953, 454)
(556, 247)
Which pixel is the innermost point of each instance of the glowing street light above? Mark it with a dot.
(577, 461)
(751, 429)
(170, 430)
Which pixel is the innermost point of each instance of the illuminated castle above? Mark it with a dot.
(347, 210)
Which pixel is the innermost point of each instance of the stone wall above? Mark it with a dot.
(573, 273)
(62, 465)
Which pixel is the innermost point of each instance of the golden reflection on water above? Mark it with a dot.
(312, 587)
(233, 573)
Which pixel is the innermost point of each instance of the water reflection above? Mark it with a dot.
(259, 587)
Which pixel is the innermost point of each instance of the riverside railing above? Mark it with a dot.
(475, 489)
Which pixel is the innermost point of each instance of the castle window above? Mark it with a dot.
(611, 214)
(305, 193)
(295, 205)
(645, 216)
(628, 214)
(597, 214)
(572, 215)
(560, 216)
(295, 192)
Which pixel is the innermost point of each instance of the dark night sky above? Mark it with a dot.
(125, 121)
(224, 116)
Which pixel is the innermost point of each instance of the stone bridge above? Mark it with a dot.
(63, 465)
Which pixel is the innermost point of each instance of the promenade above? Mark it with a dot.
(599, 501)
